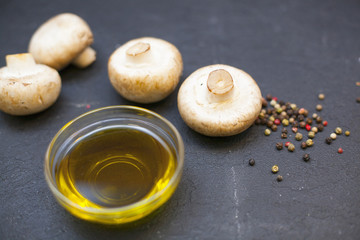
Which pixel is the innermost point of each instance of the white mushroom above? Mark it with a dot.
(145, 70)
(62, 40)
(219, 100)
(27, 87)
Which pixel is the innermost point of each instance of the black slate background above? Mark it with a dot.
(293, 49)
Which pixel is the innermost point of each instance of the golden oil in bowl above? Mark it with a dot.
(114, 165)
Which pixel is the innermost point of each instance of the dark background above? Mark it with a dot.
(293, 49)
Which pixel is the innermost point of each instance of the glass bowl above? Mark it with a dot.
(73, 190)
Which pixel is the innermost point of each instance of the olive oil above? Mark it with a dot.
(114, 167)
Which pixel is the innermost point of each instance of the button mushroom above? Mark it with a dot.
(27, 87)
(145, 70)
(219, 100)
(62, 40)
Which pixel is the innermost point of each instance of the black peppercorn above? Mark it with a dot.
(303, 145)
(281, 102)
(264, 103)
(269, 97)
(320, 127)
(302, 124)
(319, 119)
(279, 145)
(306, 157)
(269, 123)
(301, 118)
(263, 121)
(279, 178)
(358, 100)
(274, 128)
(283, 135)
(252, 162)
(269, 111)
(290, 112)
(328, 140)
(284, 130)
(295, 124)
(309, 121)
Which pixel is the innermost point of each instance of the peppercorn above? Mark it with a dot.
(291, 120)
(285, 122)
(284, 114)
(314, 129)
(264, 103)
(333, 136)
(284, 130)
(287, 144)
(319, 107)
(294, 129)
(301, 118)
(290, 112)
(295, 124)
(293, 106)
(283, 107)
(291, 147)
(275, 98)
(301, 111)
(325, 123)
(306, 112)
(283, 135)
(257, 121)
(274, 128)
(311, 134)
(303, 145)
(275, 169)
(271, 118)
(269, 111)
(309, 142)
(340, 150)
(263, 121)
(277, 106)
(347, 133)
(306, 157)
(277, 121)
(269, 123)
(252, 162)
(358, 100)
(302, 124)
(298, 136)
(279, 145)
(321, 96)
(309, 121)
(308, 127)
(328, 140)
(314, 116)
(273, 102)
(279, 178)
(320, 127)
(267, 132)
(269, 97)
(338, 130)
(281, 102)
(318, 119)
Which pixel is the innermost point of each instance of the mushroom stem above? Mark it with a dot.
(220, 85)
(85, 58)
(138, 53)
(20, 61)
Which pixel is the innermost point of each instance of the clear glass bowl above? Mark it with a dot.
(104, 118)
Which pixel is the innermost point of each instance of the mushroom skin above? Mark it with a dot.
(26, 87)
(218, 114)
(61, 40)
(145, 70)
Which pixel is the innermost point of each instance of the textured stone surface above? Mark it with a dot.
(293, 49)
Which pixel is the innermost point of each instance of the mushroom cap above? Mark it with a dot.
(60, 39)
(148, 78)
(24, 92)
(213, 115)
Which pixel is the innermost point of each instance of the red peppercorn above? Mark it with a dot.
(340, 150)
(275, 98)
(277, 121)
(325, 123)
(287, 144)
(308, 127)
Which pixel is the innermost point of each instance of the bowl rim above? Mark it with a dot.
(136, 205)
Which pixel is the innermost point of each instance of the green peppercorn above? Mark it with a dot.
(306, 157)
(261, 115)
(271, 118)
(293, 106)
(338, 130)
(319, 107)
(274, 128)
(285, 122)
(267, 132)
(328, 140)
(298, 136)
(309, 142)
(311, 134)
(303, 145)
(275, 169)
(279, 178)
(321, 96)
(347, 133)
(291, 147)
(279, 145)
(333, 136)
(252, 162)
(279, 110)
